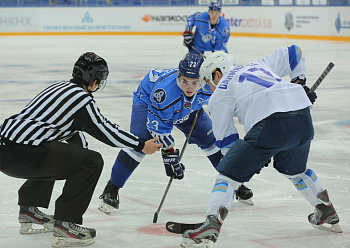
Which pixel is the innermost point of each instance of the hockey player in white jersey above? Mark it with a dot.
(166, 99)
(212, 31)
(277, 121)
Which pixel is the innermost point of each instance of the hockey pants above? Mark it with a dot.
(43, 164)
(128, 159)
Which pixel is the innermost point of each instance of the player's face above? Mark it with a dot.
(214, 16)
(217, 75)
(212, 86)
(189, 85)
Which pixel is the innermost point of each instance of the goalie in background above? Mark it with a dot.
(44, 142)
(212, 31)
(277, 121)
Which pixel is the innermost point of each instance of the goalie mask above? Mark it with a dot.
(90, 67)
(216, 61)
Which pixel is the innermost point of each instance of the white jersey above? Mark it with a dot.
(255, 91)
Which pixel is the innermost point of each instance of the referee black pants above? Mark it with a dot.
(43, 164)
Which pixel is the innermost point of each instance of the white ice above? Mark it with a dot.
(278, 218)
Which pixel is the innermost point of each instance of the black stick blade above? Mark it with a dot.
(180, 228)
(155, 217)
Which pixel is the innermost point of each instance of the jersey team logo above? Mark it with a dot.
(159, 96)
(188, 105)
(226, 31)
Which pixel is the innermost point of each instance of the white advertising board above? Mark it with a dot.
(316, 21)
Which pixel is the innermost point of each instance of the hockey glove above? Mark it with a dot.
(188, 39)
(299, 80)
(302, 81)
(312, 97)
(172, 165)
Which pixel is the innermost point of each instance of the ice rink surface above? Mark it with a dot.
(278, 218)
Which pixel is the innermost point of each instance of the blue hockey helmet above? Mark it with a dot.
(215, 6)
(189, 66)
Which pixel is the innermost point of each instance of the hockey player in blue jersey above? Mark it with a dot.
(164, 99)
(277, 121)
(212, 31)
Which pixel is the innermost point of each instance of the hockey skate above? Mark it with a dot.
(206, 235)
(244, 195)
(110, 198)
(67, 234)
(33, 221)
(325, 217)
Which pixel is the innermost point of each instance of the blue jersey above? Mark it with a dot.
(207, 38)
(167, 104)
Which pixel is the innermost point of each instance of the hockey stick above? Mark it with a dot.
(180, 228)
(193, 47)
(320, 78)
(155, 217)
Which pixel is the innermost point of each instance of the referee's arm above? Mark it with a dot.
(90, 120)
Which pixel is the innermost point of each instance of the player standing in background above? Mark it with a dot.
(44, 142)
(277, 121)
(212, 31)
(164, 99)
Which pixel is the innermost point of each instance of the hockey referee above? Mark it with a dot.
(44, 142)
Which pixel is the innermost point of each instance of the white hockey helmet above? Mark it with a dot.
(217, 60)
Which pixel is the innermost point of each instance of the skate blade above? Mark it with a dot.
(248, 201)
(32, 228)
(329, 227)
(190, 243)
(70, 242)
(107, 209)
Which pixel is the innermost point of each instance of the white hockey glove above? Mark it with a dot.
(172, 164)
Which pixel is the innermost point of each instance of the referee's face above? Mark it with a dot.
(93, 86)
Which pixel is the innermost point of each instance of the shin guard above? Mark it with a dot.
(222, 194)
(308, 185)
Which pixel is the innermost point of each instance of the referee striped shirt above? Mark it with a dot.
(60, 111)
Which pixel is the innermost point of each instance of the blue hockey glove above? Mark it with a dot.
(172, 165)
(312, 97)
(188, 39)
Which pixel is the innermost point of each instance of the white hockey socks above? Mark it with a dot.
(308, 185)
(222, 194)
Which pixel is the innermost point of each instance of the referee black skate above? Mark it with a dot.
(44, 143)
